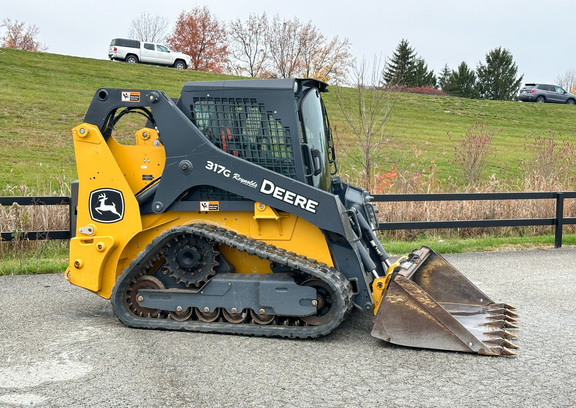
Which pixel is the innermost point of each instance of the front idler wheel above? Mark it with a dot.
(325, 298)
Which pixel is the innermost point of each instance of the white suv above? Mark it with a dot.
(135, 51)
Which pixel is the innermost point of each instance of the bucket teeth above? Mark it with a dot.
(502, 324)
(501, 316)
(501, 343)
(509, 325)
(504, 306)
(498, 351)
(509, 313)
(502, 334)
(507, 352)
(509, 344)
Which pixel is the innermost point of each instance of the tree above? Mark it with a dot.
(398, 70)
(21, 37)
(567, 81)
(249, 48)
(326, 60)
(421, 76)
(199, 34)
(461, 82)
(497, 79)
(366, 113)
(445, 79)
(148, 28)
(298, 49)
(406, 68)
(285, 47)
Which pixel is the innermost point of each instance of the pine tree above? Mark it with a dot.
(406, 68)
(497, 79)
(421, 76)
(464, 81)
(399, 69)
(445, 79)
(459, 83)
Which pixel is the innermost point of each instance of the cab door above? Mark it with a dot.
(315, 140)
(163, 55)
(560, 94)
(148, 53)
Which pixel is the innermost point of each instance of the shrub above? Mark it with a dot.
(472, 152)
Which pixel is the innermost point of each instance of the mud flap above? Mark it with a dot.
(430, 304)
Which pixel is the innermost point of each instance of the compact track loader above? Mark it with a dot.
(224, 214)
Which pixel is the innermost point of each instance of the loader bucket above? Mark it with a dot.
(429, 304)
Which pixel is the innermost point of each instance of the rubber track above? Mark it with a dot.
(307, 266)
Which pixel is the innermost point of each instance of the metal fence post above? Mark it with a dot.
(559, 220)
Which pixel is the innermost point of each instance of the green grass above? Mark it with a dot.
(444, 245)
(23, 258)
(46, 95)
(419, 126)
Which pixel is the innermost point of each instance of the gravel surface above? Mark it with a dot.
(61, 346)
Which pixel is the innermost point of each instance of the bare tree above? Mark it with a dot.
(148, 28)
(300, 49)
(567, 80)
(19, 36)
(365, 112)
(328, 61)
(311, 41)
(249, 48)
(285, 45)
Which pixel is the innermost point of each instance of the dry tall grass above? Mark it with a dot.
(473, 210)
(19, 219)
(552, 167)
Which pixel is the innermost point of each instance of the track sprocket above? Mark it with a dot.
(191, 260)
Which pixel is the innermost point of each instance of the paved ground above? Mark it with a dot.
(60, 346)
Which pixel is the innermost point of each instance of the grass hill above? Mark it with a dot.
(45, 95)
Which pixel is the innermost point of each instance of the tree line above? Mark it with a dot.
(495, 79)
(258, 47)
(263, 47)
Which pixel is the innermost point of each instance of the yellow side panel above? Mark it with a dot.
(107, 208)
(140, 163)
(87, 268)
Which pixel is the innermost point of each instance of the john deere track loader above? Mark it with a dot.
(225, 215)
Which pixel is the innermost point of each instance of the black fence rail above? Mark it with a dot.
(34, 235)
(558, 221)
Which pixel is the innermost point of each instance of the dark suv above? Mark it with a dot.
(545, 93)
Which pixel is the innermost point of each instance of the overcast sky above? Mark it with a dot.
(539, 34)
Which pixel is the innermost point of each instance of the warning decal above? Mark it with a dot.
(128, 96)
(209, 206)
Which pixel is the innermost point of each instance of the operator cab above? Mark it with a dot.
(279, 124)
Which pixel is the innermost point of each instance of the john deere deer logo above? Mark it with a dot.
(106, 205)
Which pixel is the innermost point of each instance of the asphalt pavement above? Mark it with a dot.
(61, 346)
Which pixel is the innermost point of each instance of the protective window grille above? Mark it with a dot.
(244, 128)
